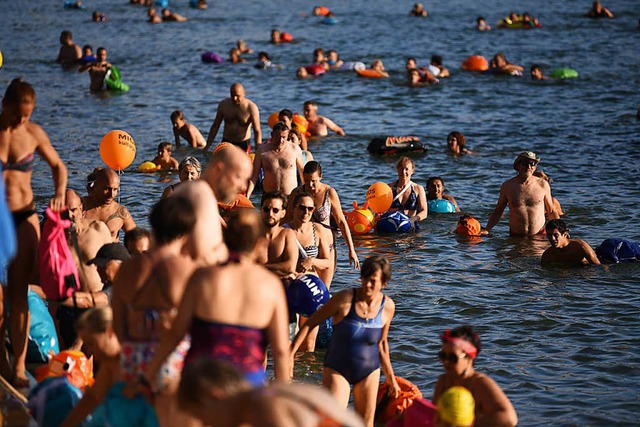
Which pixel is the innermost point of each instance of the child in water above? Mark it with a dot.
(164, 159)
(186, 130)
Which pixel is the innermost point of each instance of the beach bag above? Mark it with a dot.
(389, 408)
(51, 401)
(43, 338)
(58, 271)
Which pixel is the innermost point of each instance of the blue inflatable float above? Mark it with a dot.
(394, 222)
(440, 206)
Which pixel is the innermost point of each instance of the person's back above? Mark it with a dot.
(70, 53)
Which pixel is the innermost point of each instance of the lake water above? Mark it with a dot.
(560, 343)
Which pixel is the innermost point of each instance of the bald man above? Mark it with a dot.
(240, 115)
(228, 173)
(100, 204)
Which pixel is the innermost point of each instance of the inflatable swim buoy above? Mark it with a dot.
(371, 74)
(475, 63)
(350, 66)
(286, 37)
(393, 222)
(315, 69)
(321, 11)
(329, 20)
(468, 226)
(211, 58)
(396, 145)
(306, 295)
(52, 400)
(239, 202)
(1, 59)
(69, 4)
(613, 251)
(564, 73)
(114, 82)
(389, 408)
(162, 3)
(118, 410)
(148, 167)
(73, 365)
(301, 123)
(43, 337)
(360, 220)
(440, 206)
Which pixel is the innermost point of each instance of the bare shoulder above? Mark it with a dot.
(389, 304)
(123, 212)
(101, 228)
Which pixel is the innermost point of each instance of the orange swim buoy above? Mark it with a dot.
(315, 69)
(475, 63)
(361, 219)
(387, 407)
(273, 119)
(286, 37)
(380, 197)
(321, 11)
(301, 122)
(371, 74)
(240, 201)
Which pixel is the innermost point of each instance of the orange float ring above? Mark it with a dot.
(475, 63)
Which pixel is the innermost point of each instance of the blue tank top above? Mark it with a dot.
(353, 351)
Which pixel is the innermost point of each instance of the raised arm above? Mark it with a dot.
(215, 126)
(338, 215)
(549, 206)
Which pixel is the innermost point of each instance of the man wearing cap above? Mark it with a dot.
(107, 260)
(101, 205)
(279, 160)
(527, 196)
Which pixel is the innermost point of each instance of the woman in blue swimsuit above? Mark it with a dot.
(19, 140)
(408, 197)
(359, 347)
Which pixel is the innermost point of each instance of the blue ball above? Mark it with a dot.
(393, 222)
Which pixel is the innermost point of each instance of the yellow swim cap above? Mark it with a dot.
(457, 406)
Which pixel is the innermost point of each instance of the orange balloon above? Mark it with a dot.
(301, 122)
(380, 197)
(475, 63)
(286, 37)
(117, 149)
(360, 221)
(273, 119)
(240, 201)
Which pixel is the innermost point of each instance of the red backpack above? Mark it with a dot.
(58, 271)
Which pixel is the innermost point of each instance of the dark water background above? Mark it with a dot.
(561, 343)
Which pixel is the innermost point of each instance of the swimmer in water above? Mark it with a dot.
(536, 73)
(481, 24)
(378, 66)
(186, 130)
(164, 159)
(456, 143)
(234, 56)
(418, 10)
(599, 11)
(500, 65)
(565, 251)
(435, 191)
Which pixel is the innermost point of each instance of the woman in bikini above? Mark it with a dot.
(408, 197)
(314, 253)
(19, 140)
(359, 347)
(327, 205)
(232, 311)
(460, 347)
(146, 295)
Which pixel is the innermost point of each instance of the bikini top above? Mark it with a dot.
(310, 251)
(23, 165)
(412, 202)
(323, 213)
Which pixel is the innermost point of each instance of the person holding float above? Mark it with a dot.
(359, 348)
(327, 205)
(409, 198)
(460, 347)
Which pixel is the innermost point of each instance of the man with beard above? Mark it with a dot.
(527, 197)
(281, 252)
(240, 115)
(100, 204)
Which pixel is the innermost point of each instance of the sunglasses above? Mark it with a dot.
(531, 163)
(306, 208)
(267, 210)
(450, 357)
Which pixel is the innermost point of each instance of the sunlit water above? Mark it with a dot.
(562, 344)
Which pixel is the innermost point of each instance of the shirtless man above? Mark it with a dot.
(100, 204)
(281, 254)
(70, 53)
(227, 173)
(97, 70)
(319, 125)
(186, 130)
(279, 159)
(565, 251)
(527, 197)
(240, 115)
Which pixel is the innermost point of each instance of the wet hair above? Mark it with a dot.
(163, 145)
(535, 67)
(190, 161)
(205, 373)
(411, 58)
(176, 115)
(467, 333)
(172, 217)
(479, 18)
(295, 131)
(279, 127)
(556, 224)
(301, 195)
(285, 113)
(16, 91)
(373, 264)
(244, 228)
(136, 234)
(96, 320)
(87, 46)
(318, 51)
(66, 34)
(436, 59)
(274, 195)
(405, 160)
(431, 179)
(458, 136)
(312, 167)
(264, 55)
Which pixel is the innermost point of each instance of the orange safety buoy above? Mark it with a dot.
(475, 63)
